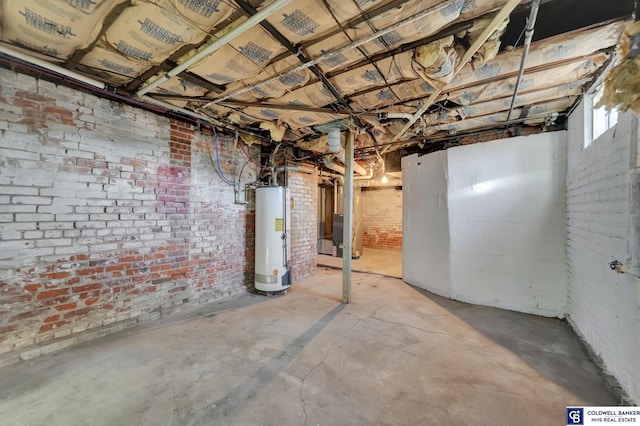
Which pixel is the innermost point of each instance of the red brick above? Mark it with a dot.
(77, 313)
(126, 259)
(53, 293)
(26, 315)
(52, 318)
(133, 162)
(45, 328)
(90, 294)
(90, 302)
(32, 287)
(88, 287)
(67, 307)
(8, 329)
(89, 271)
(55, 301)
(118, 267)
(52, 326)
(56, 275)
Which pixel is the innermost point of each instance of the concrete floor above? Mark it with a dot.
(379, 261)
(395, 356)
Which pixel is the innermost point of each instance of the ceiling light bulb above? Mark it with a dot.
(384, 179)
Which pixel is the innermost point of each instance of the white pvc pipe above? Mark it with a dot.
(100, 85)
(193, 114)
(404, 115)
(51, 67)
(210, 49)
(173, 107)
(365, 177)
(295, 168)
(334, 140)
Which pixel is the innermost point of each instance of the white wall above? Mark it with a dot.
(507, 220)
(603, 306)
(485, 223)
(425, 222)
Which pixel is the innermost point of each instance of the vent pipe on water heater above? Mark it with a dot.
(334, 140)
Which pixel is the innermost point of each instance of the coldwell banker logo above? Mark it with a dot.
(575, 416)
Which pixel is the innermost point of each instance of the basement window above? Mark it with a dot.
(601, 118)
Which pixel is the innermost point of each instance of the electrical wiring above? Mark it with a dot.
(217, 162)
(251, 160)
(246, 154)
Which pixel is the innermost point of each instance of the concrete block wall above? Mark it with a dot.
(603, 306)
(507, 221)
(382, 220)
(304, 223)
(109, 215)
(426, 239)
(485, 223)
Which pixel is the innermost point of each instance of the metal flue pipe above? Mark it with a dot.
(528, 35)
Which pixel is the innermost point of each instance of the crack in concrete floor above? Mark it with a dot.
(304, 358)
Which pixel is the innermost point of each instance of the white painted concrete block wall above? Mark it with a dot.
(602, 305)
(485, 223)
(507, 222)
(425, 223)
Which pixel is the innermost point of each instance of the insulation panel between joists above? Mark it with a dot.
(52, 28)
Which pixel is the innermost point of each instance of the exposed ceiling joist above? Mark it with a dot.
(495, 22)
(251, 11)
(356, 58)
(73, 62)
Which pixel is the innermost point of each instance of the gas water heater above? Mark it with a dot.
(273, 250)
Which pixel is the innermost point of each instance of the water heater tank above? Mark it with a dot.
(272, 239)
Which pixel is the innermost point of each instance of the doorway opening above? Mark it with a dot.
(377, 226)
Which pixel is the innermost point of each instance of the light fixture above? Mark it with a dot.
(384, 179)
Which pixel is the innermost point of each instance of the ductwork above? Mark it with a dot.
(356, 167)
(370, 175)
(365, 173)
(330, 163)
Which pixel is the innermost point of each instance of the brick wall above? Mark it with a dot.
(603, 306)
(304, 224)
(382, 221)
(109, 215)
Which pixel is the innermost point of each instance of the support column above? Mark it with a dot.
(347, 240)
